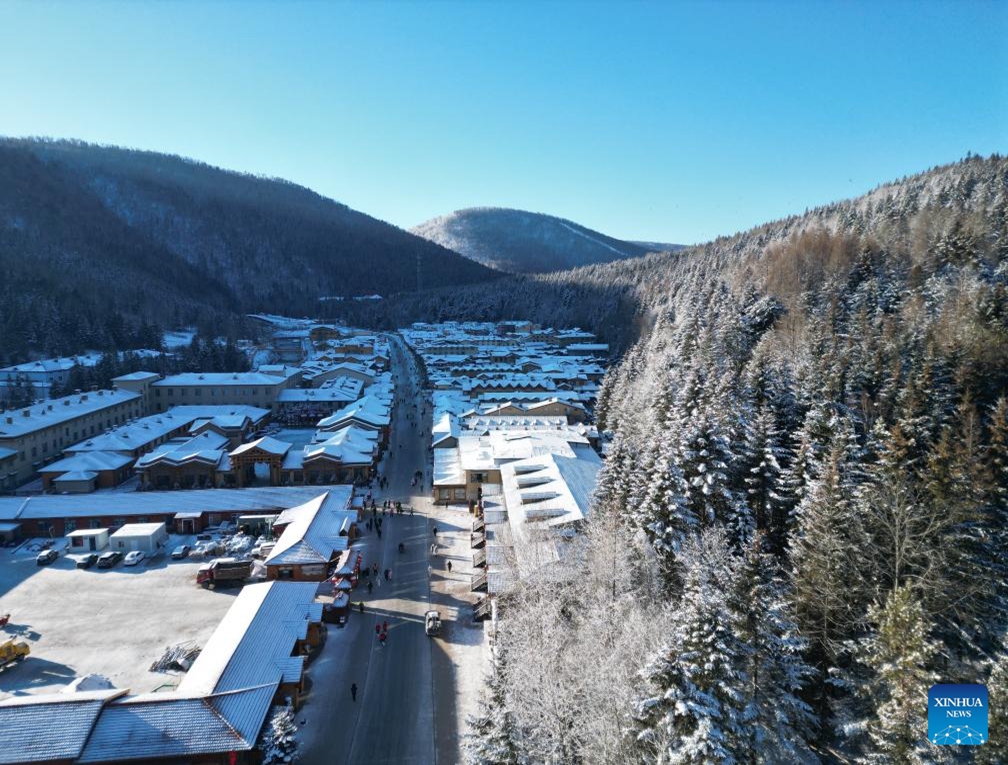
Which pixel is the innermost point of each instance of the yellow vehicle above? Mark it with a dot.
(12, 651)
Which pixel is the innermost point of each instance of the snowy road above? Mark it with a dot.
(393, 719)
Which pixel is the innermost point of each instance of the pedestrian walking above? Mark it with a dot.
(370, 586)
(379, 532)
(353, 690)
(374, 569)
(377, 629)
(449, 567)
(384, 627)
(382, 638)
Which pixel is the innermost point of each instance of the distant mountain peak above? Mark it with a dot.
(520, 241)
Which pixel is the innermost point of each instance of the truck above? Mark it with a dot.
(223, 572)
(12, 651)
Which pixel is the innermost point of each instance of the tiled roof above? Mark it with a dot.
(48, 727)
(313, 534)
(173, 725)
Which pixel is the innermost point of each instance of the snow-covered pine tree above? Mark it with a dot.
(779, 723)
(692, 707)
(900, 651)
(491, 739)
(831, 594)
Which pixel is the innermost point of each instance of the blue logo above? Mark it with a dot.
(957, 715)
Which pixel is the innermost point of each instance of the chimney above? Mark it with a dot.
(49, 406)
(83, 398)
(10, 420)
(26, 412)
(66, 402)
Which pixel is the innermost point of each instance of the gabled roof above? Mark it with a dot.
(266, 444)
(162, 725)
(313, 534)
(52, 726)
(255, 639)
(88, 462)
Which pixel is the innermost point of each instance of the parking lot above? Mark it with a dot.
(112, 622)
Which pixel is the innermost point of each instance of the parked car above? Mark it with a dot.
(180, 552)
(87, 561)
(109, 559)
(46, 557)
(133, 557)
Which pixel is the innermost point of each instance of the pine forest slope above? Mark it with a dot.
(810, 454)
(95, 241)
(519, 242)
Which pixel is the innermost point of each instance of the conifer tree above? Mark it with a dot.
(692, 709)
(900, 651)
(779, 722)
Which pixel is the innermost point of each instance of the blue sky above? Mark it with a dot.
(661, 121)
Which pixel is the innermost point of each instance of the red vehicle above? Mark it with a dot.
(4, 619)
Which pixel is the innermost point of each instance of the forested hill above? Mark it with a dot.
(521, 242)
(95, 242)
(804, 508)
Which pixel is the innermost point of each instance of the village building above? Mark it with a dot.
(255, 658)
(86, 471)
(258, 389)
(312, 537)
(38, 434)
(147, 537)
(199, 462)
(347, 455)
(182, 512)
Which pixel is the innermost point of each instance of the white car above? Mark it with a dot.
(134, 557)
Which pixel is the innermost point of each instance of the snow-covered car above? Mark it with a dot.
(180, 552)
(133, 557)
(46, 557)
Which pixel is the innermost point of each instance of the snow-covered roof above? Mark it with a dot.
(88, 461)
(138, 530)
(171, 725)
(132, 504)
(75, 476)
(52, 726)
(543, 493)
(223, 379)
(208, 448)
(254, 641)
(266, 444)
(368, 410)
(20, 422)
(448, 468)
(313, 534)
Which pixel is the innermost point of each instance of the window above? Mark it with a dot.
(34, 451)
(157, 393)
(199, 392)
(119, 522)
(69, 525)
(444, 493)
(460, 494)
(285, 573)
(94, 523)
(171, 392)
(42, 527)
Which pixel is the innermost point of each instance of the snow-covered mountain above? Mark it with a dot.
(526, 242)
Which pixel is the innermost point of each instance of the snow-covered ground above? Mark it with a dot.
(113, 622)
(178, 338)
